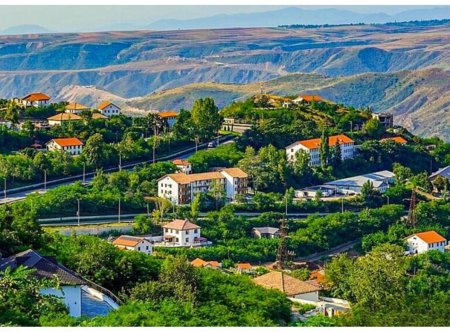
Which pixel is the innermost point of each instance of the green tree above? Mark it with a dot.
(370, 195)
(373, 128)
(324, 149)
(95, 150)
(205, 119)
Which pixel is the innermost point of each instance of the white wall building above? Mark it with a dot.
(183, 166)
(72, 286)
(108, 109)
(182, 233)
(181, 188)
(422, 242)
(134, 243)
(71, 145)
(36, 99)
(353, 185)
(59, 119)
(312, 147)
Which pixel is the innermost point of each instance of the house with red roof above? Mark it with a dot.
(136, 243)
(108, 109)
(71, 145)
(36, 99)
(312, 147)
(182, 233)
(308, 99)
(183, 166)
(422, 242)
(169, 116)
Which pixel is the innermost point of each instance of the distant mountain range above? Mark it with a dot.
(399, 68)
(295, 15)
(270, 18)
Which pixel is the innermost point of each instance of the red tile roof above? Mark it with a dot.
(396, 139)
(36, 96)
(244, 266)
(181, 162)
(65, 117)
(314, 143)
(70, 141)
(167, 114)
(128, 241)
(430, 237)
(310, 98)
(181, 225)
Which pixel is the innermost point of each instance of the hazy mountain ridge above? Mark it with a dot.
(133, 64)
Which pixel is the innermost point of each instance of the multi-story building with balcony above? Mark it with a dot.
(181, 188)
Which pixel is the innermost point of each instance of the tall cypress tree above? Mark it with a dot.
(324, 149)
(337, 154)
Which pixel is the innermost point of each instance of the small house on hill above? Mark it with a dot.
(290, 286)
(71, 145)
(135, 243)
(108, 109)
(422, 242)
(36, 99)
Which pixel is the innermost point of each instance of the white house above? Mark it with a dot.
(353, 185)
(108, 109)
(308, 99)
(75, 108)
(266, 232)
(36, 99)
(61, 118)
(71, 145)
(133, 243)
(181, 188)
(182, 233)
(421, 242)
(312, 147)
(292, 287)
(183, 166)
(169, 116)
(76, 292)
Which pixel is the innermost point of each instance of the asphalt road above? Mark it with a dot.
(17, 194)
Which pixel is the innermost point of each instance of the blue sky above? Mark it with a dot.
(94, 18)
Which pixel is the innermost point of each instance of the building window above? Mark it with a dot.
(187, 232)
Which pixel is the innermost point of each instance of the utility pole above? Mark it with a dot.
(78, 211)
(4, 189)
(119, 211)
(120, 161)
(412, 216)
(45, 180)
(84, 172)
(342, 204)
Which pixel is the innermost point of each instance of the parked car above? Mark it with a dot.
(212, 144)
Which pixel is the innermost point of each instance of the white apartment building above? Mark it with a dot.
(108, 109)
(180, 188)
(312, 147)
(71, 145)
(181, 233)
(135, 243)
(422, 242)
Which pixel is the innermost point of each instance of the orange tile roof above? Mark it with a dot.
(285, 283)
(76, 106)
(430, 237)
(244, 266)
(314, 143)
(198, 262)
(96, 116)
(36, 96)
(214, 263)
(310, 98)
(181, 225)
(105, 104)
(235, 172)
(167, 114)
(188, 178)
(181, 162)
(70, 141)
(128, 241)
(396, 139)
(64, 117)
